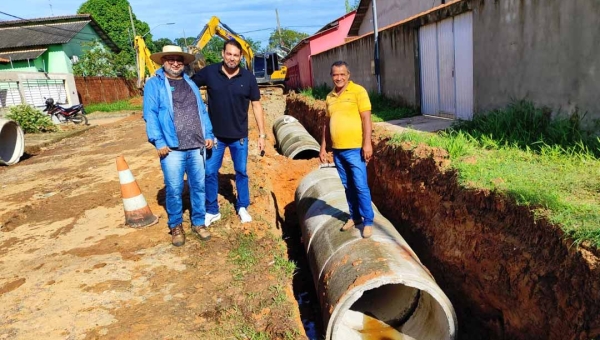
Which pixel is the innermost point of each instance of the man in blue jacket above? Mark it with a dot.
(177, 124)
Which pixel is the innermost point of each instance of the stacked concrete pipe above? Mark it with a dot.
(372, 288)
(293, 140)
(12, 142)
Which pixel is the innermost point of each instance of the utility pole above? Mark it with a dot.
(135, 47)
(185, 41)
(131, 18)
(279, 29)
(376, 34)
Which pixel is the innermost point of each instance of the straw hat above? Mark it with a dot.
(172, 50)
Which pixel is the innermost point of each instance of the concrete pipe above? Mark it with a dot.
(293, 140)
(12, 142)
(368, 288)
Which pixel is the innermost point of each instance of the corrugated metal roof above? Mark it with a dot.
(39, 35)
(21, 55)
(335, 23)
(361, 11)
(41, 32)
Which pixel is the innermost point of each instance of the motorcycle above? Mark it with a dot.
(75, 113)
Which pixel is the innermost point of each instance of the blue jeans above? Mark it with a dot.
(174, 165)
(214, 159)
(353, 172)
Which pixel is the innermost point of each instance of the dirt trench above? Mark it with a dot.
(508, 274)
(70, 268)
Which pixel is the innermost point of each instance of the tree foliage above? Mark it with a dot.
(350, 8)
(287, 39)
(113, 17)
(212, 50)
(98, 61)
(160, 43)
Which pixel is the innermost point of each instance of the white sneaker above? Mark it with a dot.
(244, 215)
(210, 218)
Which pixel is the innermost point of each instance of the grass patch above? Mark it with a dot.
(382, 107)
(283, 266)
(266, 301)
(551, 166)
(121, 105)
(244, 255)
(318, 92)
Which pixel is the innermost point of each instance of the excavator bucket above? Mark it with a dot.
(199, 61)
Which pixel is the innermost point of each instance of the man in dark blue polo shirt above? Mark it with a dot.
(230, 89)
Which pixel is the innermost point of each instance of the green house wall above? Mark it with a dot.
(57, 59)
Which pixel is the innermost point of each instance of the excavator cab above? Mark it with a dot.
(267, 69)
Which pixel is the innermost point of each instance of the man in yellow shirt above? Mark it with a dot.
(349, 124)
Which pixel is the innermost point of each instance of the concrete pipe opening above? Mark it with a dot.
(293, 140)
(374, 288)
(12, 142)
(390, 311)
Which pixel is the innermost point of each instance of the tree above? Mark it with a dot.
(160, 43)
(96, 61)
(350, 8)
(113, 17)
(184, 42)
(288, 38)
(255, 45)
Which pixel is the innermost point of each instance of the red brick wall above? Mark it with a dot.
(93, 90)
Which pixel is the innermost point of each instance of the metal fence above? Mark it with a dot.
(33, 88)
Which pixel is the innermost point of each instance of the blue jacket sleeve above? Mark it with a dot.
(150, 109)
(206, 121)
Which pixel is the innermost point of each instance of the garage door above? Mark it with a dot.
(446, 67)
(37, 90)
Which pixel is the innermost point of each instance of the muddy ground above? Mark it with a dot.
(71, 269)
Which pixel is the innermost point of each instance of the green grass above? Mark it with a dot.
(251, 255)
(121, 105)
(382, 107)
(551, 166)
(284, 266)
(244, 255)
(318, 92)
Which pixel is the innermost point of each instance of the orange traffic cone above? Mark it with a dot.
(137, 212)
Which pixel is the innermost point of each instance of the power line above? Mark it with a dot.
(273, 28)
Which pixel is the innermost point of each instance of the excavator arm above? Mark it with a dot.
(215, 27)
(143, 61)
(265, 66)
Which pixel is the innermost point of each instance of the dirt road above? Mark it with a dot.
(71, 269)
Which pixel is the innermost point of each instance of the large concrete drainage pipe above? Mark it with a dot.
(12, 142)
(372, 288)
(293, 140)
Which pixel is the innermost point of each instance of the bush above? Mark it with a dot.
(31, 119)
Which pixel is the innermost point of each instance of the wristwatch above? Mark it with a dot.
(262, 136)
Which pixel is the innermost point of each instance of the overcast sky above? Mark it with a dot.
(252, 18)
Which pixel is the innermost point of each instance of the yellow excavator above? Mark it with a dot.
(266, 66)
(143, 61)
